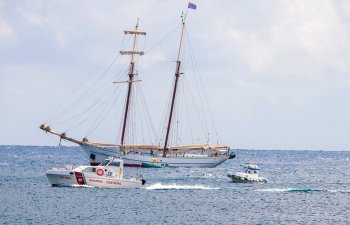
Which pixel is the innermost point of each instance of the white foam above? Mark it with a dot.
(208, 175)
(275, 189)
(159, 186)
(84, 186)
(341, 191)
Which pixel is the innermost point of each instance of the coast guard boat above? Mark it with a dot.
(109, 174)
(250, 175)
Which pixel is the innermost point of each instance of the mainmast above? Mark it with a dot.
(133, 52)
(177, 75)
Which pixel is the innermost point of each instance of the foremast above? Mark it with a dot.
(133, 54)
(177, 75)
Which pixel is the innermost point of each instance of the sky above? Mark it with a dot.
(276, 72)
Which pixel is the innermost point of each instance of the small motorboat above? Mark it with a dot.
(109, 174)
(250, 175)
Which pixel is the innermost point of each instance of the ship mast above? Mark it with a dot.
(133, 52)
(177, 75)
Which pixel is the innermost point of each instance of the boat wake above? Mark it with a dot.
(81, 186)
(341, 191)
(301, 190)
(159, 186)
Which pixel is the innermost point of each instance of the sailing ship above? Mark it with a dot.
(138, 155)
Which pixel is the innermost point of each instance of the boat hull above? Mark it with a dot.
(61, 178)
(98, 154)
(65, 178)
(103, 182)
(242, 179)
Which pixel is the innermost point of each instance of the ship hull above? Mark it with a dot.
(196, 161)
(98, 154)
(136, 159)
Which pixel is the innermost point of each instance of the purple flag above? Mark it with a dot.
(191, 6)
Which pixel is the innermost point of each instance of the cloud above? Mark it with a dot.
(33, 19)
(290, 55)
(7, 33)
(308, 30)
(50, 22)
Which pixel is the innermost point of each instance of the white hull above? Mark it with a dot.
(66, 180)
(247, 178)
(132, 159)
(97, 181)
(61, 178)
(103, 177)
(190, 161)
(98, 154)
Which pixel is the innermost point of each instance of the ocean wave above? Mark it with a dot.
(274, 190)
(301, 190)
(160, 186)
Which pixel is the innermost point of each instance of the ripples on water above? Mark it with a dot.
(305, 188)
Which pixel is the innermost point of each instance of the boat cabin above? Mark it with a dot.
(111, 167)
(112, 161)
(251, 168)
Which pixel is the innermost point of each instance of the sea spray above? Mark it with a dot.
(160, 186)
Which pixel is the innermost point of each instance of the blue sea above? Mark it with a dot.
(306, 187)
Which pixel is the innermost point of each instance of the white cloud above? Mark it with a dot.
(312, 30)
(33, 19)
(49, 22)
(6, 31)
(7, 34)
(296, 55)
(252, 50)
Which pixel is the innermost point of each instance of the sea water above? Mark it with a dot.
(306, 187)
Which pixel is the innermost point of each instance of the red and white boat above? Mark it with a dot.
(109, 174)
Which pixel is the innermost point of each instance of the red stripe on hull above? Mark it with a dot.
(80, 178)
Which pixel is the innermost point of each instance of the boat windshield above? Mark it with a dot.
(105, 162)
(251, 171)
(117, 164)
(89, 170)
(110, 162)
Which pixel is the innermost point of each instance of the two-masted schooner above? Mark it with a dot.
(136, 155)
